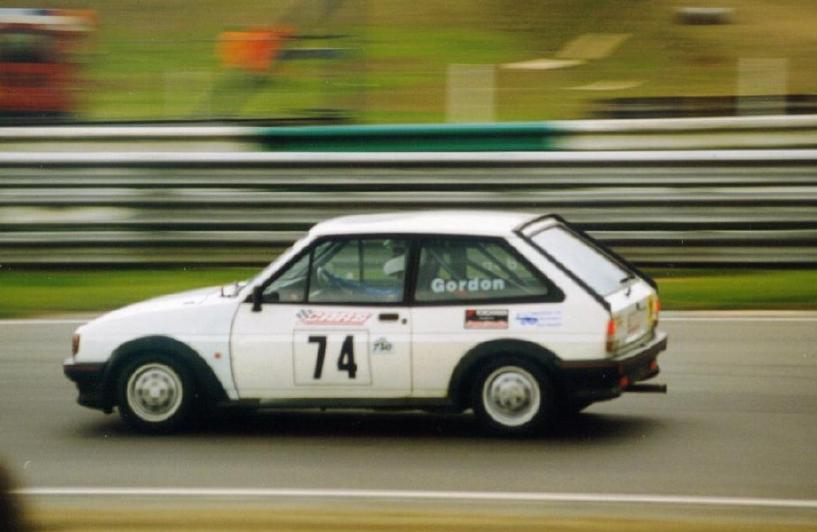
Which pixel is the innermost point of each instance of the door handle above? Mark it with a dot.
(388, 316)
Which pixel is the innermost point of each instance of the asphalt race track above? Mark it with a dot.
(739, 422)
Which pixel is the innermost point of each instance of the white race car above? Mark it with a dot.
(518, 317)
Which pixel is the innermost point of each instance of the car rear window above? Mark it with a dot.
(600, 273)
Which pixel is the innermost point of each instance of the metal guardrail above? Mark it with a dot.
(704, 106)
(739, 207)
(583, 135)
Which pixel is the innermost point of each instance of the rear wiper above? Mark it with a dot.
(624, 281)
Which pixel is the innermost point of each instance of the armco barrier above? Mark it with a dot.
(738, 207)
(587, 135)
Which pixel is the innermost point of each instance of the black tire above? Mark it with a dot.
(512, 396)
(156, 394)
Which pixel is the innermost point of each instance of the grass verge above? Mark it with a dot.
(738, 289)
(157, 58)
(28, 293)
(395, 520)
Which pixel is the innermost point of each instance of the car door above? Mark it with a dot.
(333, 325)
(471, 290)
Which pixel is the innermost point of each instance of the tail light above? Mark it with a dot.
(612, 327)
(655, 309)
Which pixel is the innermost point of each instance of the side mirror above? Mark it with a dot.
(257, 298)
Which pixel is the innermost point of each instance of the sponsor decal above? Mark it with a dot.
(382, 345)
(332, 317)
(539, 318)
(475, 284)
(486, 319)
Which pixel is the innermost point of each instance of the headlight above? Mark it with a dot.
(74, 345)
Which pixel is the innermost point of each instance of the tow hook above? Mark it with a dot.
(646, 388)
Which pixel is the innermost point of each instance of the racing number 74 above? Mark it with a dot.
(346, 359)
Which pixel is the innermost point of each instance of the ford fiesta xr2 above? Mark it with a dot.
(520, 318)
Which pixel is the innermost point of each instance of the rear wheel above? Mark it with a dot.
(512, 396)
(155, 394)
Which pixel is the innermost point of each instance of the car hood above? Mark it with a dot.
(181, 300)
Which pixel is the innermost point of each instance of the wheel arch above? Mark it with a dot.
(466, 369)
(207, 383)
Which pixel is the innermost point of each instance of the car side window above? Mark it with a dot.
(355, 271)
(455, 270)
(290, 286)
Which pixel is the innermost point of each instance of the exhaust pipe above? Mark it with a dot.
(646, 388)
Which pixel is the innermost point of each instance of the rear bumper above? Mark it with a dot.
(89, 378)
(597, 380)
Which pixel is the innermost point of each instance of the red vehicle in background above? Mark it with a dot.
(38, 69)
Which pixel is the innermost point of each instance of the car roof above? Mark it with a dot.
(463, 222)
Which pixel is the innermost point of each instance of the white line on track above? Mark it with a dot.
(739, 319)
(45, 321)
(500, 496)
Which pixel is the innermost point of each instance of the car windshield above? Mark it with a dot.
(600, 273)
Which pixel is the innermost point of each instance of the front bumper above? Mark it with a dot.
(89, 378)
(597, 380)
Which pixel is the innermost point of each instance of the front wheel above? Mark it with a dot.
(512, 396)
(155, 394)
